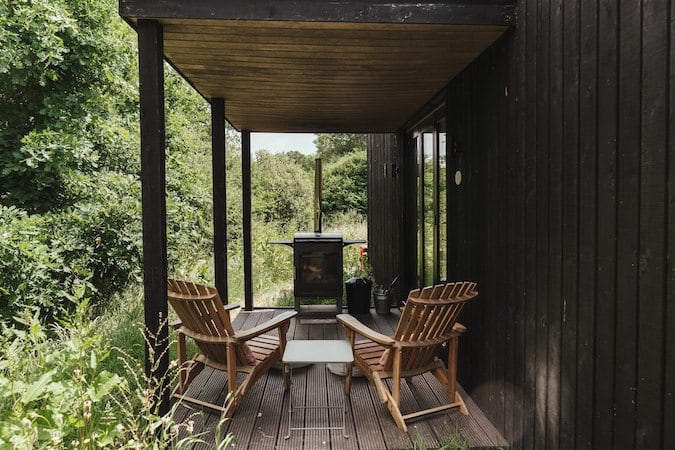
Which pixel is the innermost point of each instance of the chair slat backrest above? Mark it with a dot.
(429, 315)
(200, 308)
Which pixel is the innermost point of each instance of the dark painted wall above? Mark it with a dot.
(564, 133)
(385, 212)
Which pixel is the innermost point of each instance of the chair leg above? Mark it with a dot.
(462, 405)
(380, 388)
(232, 404)
(287, 379)
(453, 345)
(396, 378)
(348, 380)
(231, 367)
(182, 357)
(393, 407)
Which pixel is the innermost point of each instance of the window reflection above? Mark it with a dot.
(442, 204)
(429, 210)
(430, 148)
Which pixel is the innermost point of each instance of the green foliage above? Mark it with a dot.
(28, 267)
(57, 71)
(331, 147)
(346, 186)
(306, 162)
(281, 190)
(94, 244)
(53, 397)
(453, 442)
(69, 166)
(55, 390)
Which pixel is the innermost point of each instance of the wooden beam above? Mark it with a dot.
(246, 223)
(219, 197)
(153, 182)
(496, 12)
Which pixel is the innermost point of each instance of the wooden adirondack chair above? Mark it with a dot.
(205, 319)
(427, 321)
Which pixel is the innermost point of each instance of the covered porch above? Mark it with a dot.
(290, 66)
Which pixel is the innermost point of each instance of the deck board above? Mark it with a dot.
(261, 419)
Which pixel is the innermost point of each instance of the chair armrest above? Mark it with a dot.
(176, 324)
(264, 327)
(209, 339)
(231, 306)
(458, 329)
(353, 324)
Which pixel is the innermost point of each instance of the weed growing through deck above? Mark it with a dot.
(454, 442)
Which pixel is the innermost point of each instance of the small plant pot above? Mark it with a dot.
(382, 303)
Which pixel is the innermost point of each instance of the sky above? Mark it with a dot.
(282, 142)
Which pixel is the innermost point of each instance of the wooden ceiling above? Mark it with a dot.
(321, 76)
(322, 66)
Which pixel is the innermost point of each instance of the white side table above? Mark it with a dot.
(318, 352)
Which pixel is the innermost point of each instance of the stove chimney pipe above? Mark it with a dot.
(317, 195)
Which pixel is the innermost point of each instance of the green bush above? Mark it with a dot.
(59, 72)
(95, 244)
(55, 392)
(281, 190)
(28, 267)
(346, 185)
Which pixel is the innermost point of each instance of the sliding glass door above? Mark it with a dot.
(429, 144)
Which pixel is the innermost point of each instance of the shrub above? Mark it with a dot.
(95, 244)
(54, 392)
(346, 185)
(281, 190)
(27, 265)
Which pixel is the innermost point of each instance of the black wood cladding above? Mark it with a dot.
(564, 135)
(386, 245)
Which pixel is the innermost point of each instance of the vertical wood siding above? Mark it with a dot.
(385, 211)
(564, 132)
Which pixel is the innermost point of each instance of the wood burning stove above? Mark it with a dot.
(317, 258)
(318, 265)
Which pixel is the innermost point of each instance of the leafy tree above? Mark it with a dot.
(62, 72)
(346, 186)
(301, 159)
(281, 190)
(69, 155)
(330, 147)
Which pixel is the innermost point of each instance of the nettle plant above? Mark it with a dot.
(55, 394)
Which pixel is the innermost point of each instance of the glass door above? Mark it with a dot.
(429, 143)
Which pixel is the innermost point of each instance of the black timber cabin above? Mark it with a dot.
(541, 129)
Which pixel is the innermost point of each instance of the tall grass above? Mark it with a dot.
(79, 383)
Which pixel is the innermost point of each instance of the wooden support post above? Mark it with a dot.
(219, 197)
(153, 182)
(246, 223)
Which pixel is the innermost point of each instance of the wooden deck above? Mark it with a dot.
(261, 420)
